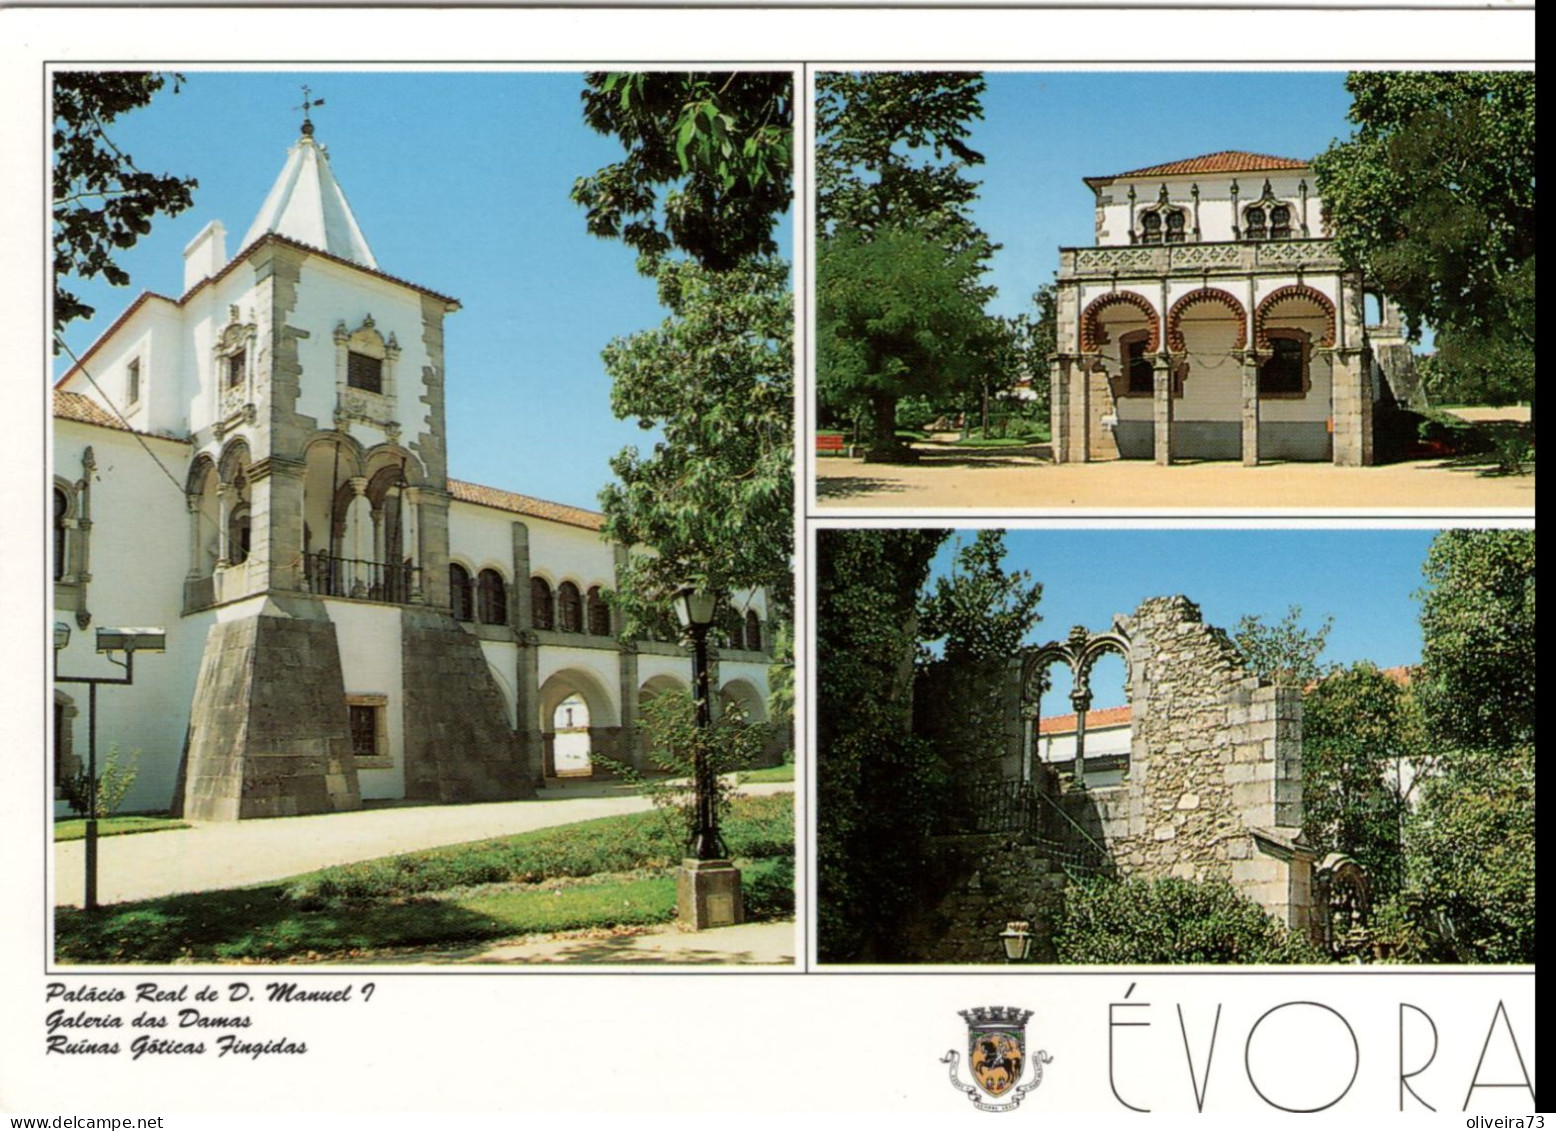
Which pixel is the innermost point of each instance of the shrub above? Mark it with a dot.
(114, 782)
(674, 740)
(768, 889)
(757, 827)
(1170, 921)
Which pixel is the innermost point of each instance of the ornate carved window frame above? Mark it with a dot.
(354, 403)
(1296, 227)
(236, 348)
(72, 534)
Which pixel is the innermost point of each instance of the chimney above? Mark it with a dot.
(205, 255)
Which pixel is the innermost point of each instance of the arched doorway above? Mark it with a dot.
(572, 753)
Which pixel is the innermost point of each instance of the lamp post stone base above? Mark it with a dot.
(707, 894)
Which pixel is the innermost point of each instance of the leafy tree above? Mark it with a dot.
(1433, 198)
(876, 784)
(896, 315)
(103, 201)
(1470, 839)
(1287, 652)
(1169, 921)
(980, 611)
(674, 742)
(1478, 656)
(1362, 750)
(891, 154)
(720, 146)
(712, 504)
(1471, 858)
(979, 614)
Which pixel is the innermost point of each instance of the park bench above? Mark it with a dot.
(830, 444)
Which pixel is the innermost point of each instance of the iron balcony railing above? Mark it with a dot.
(1010, 807)
(329, 576)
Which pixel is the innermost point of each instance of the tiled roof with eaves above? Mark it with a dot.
(84, 410)
(1226, 161)
(524, 504)
(1102, 717)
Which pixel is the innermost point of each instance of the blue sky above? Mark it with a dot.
(1366, 579)
(1042, 132)
(460, 183)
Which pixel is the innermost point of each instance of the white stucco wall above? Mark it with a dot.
(138, 549)
(370, 661)
(328, 294)
(1215, 202)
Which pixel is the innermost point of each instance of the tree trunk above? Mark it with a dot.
(884, 446)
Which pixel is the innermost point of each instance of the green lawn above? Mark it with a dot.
(74, 828)
(617, 871)
(781, 773)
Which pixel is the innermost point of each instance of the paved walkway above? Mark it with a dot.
(213, 855)
(750, 944)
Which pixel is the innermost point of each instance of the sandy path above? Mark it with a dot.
(999, 480)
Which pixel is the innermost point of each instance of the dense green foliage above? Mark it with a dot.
(719, 144)
(1470, 845)
(712, 504)
(898, 299)
(103, 202)
(1470, 883)
(1169, 921)
(1477, 618)
(875, 782)
(980, 611)
(1361, 729)
(1286, 653)
(896, 315)
(978, 615)
(1433, 198)
(891, 154)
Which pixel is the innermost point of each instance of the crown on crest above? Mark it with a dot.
(996, 1016)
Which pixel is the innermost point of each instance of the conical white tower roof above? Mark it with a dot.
(306, 204)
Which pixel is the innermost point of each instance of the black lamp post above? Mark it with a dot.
(695, 609)
(109, 640)
(708, 885)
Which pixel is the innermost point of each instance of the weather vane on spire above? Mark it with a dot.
(309, 102)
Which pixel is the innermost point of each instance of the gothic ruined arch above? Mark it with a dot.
(1079, 652)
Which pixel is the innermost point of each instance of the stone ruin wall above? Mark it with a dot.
(1214, 785)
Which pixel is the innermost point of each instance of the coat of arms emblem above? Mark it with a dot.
(996, 1057)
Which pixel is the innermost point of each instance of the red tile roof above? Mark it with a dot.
(84, 410)
(1102, 717)
(1227, 161)
(525, 505)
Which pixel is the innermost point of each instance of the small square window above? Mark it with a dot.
(132, 382)
(367, 726)
(364, 372)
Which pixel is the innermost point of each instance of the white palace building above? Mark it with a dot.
(344, 621)
(1213, 319)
